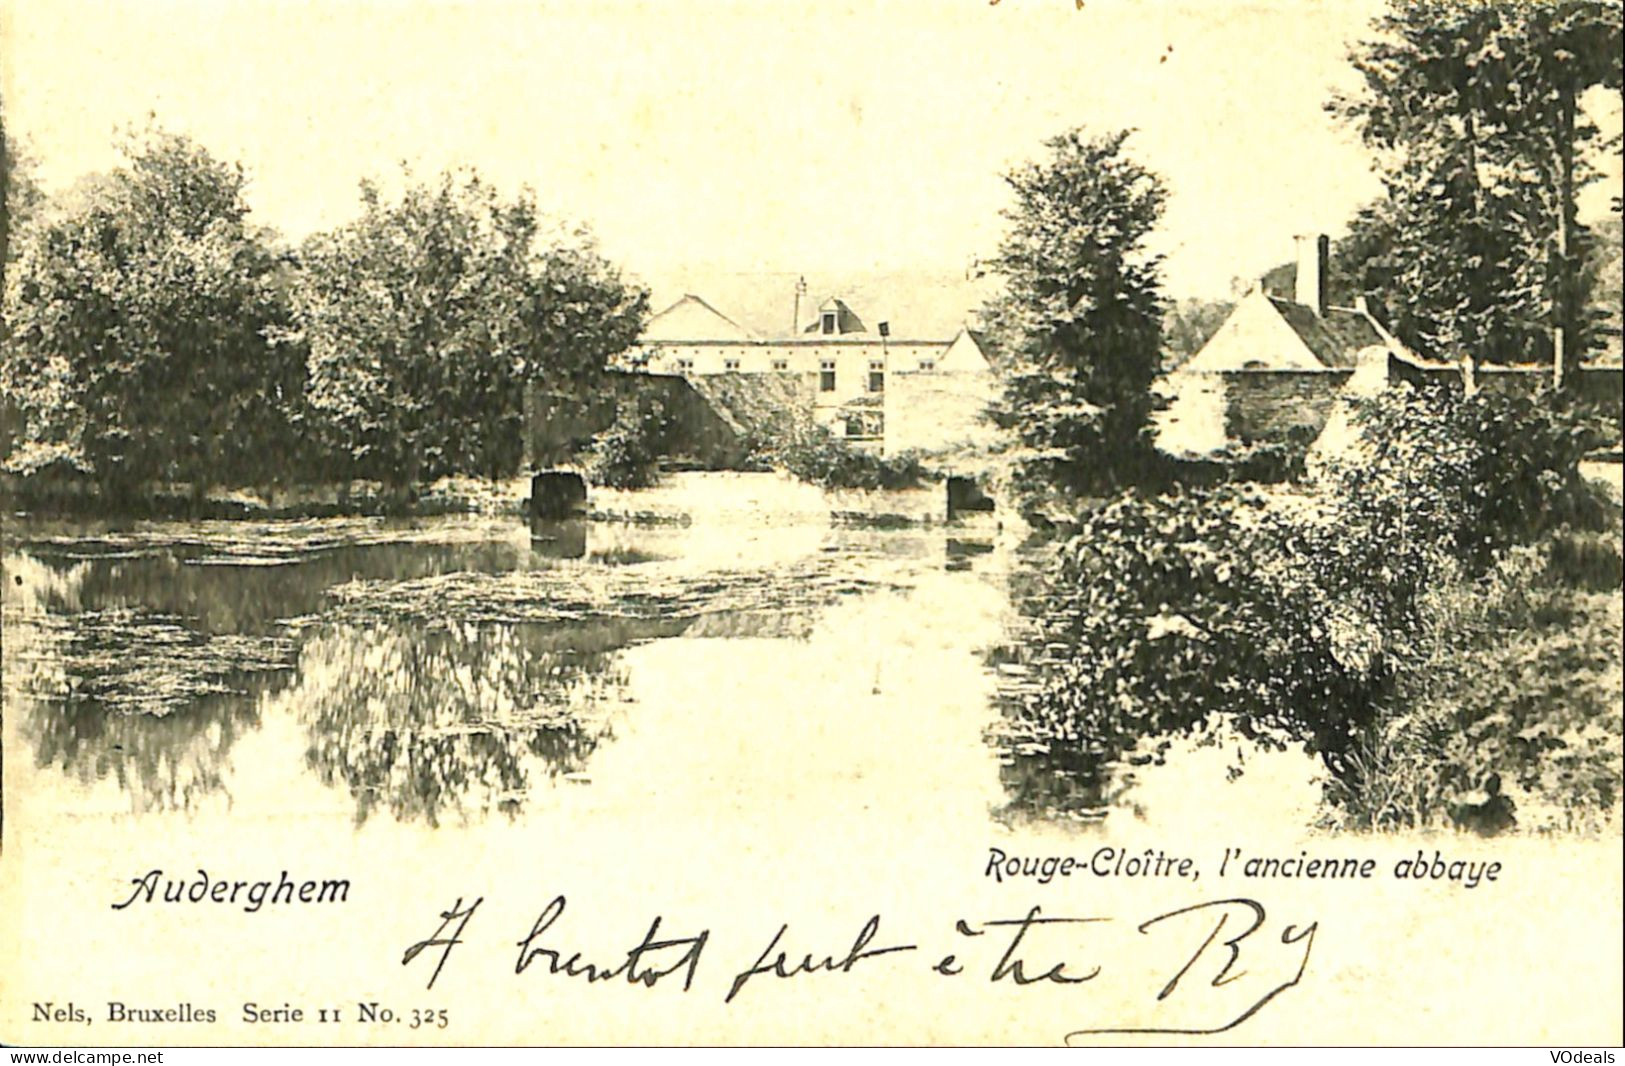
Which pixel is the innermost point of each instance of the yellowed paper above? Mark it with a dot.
(760, 741)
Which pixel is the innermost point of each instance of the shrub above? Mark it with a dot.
(1507, 708)
(808, 451)
(1470, 475)
(1168, 610)
(627, 454)
(1434, 614)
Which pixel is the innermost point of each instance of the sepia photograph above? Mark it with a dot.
(1027, 522)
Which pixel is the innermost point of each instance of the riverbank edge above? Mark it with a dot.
(882, 508)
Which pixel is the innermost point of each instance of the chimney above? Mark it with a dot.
(1313, 251)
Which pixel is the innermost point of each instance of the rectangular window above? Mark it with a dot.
(781, 364)
(826, 375)
(928, 365)
(730, 364)
(877, 376)
(829, 322)
(685, 365)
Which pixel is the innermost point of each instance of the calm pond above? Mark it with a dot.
(442, 671)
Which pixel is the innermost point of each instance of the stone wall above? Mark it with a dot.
(1279, 406)
(1599, 388)
(1213, 412)
(559, 426)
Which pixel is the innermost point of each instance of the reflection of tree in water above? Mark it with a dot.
(119, 691)
(1080, 779)
(167, 762)
(225, 593)
(142, 659)
(115, 694)
(425, 719)
(1054, 781)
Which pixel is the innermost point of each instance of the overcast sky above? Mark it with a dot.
(711, 136)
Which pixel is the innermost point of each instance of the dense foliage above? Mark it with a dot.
(804, 449)
(626, 455)
(1470, 475)
(1359, 614)
(20, 195)
(1474, 111)
(427, 316)
(149, 327)
(1506, 710)
(1077, 328)
(157, 337)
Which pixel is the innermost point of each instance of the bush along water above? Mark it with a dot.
(808, 451)
(626, 455)
(1434, 614)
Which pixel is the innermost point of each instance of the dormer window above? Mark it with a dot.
(828, 322)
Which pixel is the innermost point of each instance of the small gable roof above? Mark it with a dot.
(968, 351)
(846, 321)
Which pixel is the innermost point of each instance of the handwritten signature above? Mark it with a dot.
(1199, 970)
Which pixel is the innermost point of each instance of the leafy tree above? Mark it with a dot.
(148, 325)
(1188, 325)
(428, 315)
(20, 195)
(1601, 282)
(1077, 329)
(1351, 614)
(626, 454)
(1473, 107)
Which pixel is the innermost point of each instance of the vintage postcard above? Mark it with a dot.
(1026, 522)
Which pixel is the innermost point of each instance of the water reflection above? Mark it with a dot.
(428, 671)
(448, 669)
(103, 687)
(425, 721)
(163, 762)
(1195, 782)
(559, 540)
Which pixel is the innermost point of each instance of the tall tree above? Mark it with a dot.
(429, 315)
(1189, 324)
(148, 318)
(20, 194)
(1557, 52)
(1077, 328)
(1472, 107)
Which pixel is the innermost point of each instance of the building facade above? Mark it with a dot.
(874, 387)
(1271, 374)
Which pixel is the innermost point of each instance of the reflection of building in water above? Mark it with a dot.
(878, 384)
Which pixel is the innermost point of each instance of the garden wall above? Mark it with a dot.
(559, 425)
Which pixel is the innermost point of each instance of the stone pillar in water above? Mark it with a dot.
(556, 494)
